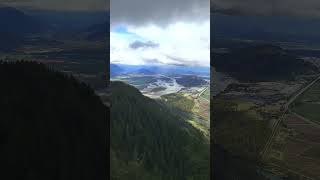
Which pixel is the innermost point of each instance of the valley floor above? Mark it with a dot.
(291, 148)
(165, 88)
(295, 145)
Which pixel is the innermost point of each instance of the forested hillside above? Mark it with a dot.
(51, 126)
(238, 137)
(149, 142)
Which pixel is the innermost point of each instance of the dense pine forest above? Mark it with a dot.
(51, 126)
(150, 142)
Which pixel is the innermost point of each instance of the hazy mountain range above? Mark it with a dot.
(261, 63)
(270, 28)
(117, 69)
(18, 26)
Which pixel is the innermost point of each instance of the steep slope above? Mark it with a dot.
(149, 142)
(51, 126)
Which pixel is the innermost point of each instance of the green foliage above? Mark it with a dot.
(237, 131)
(238, 139)
(226, 166)
(178, 101)
(308, 104)
(311, 95)
(149, 142)
(51, 126)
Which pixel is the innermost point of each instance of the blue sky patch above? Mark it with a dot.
(123, 31)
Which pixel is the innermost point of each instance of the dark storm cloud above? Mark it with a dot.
(268, 7)
(176, 64)
(69, 5)
(140, 44)
(156, 61)
(14, 1)
(152, 61)
(182, 61)
(160, 12)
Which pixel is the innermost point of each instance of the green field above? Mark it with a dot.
(239, 129)
(179, 101)
(308, 104)
(309, 111)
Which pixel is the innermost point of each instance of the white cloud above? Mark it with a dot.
(179, 43)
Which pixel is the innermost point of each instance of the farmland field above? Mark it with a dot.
(308, 104)
(299, 152)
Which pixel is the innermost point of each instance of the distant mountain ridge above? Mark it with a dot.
(14, 26)
(72, 20)
(17, 22)
(145, 71)
(191, 81)
(21, 26)
(261, 63)
(269, 28)
(115, 70)
(165, 69)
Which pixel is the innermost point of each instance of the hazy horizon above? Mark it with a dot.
(58, 5)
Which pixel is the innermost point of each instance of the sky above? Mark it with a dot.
(166, 32)
(59, 5)
(299, 8)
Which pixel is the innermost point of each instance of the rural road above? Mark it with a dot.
(300, 92)
(276, 127)
(204, 90)
(199, 95)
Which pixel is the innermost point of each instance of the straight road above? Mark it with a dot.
(277, 126)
